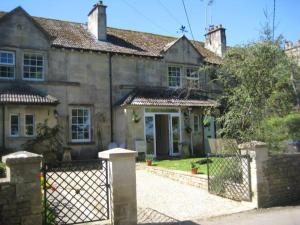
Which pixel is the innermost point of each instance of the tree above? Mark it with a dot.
(257, 85)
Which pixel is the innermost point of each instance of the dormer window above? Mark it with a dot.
(174, 78)
(7, 65)
(33, 67)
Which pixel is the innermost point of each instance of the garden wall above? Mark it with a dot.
(282, 178)
(199, 180)
(275, 179)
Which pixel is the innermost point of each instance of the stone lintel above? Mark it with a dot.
(117, 153)
(21, 157)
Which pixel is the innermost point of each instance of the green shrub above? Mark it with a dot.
(277, 130)
(2, 170)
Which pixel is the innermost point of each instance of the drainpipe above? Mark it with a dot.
(110, 55)
(192, 144)
(3, 127)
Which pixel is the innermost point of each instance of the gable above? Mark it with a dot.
(18, 29)
(182, 51)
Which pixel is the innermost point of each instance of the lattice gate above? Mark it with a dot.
(75, 192)
(229, 175)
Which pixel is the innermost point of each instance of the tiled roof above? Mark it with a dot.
(20, 93)
(75, 35)
(167, 97)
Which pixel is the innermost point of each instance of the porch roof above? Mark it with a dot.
(21, 93)
(168, 97)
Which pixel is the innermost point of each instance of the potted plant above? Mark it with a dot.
(194, 168)
(149, 159)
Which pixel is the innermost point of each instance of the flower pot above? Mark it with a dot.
(194, 170)
(149, 162)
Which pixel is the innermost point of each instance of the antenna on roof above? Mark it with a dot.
(207, 6)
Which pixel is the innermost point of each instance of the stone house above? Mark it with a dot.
(139, 90)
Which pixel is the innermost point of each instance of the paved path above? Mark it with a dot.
(273, 216)
(181, 202)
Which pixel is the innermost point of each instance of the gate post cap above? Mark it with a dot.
(252, 145)
(21, 157)
(117, 153)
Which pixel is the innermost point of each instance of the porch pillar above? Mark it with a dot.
(122, 178)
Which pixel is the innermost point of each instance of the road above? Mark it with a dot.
(272, 216)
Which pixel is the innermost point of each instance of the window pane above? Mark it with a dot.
(174, 76)
(29, 119)
(80, 127)
(33, 66)
(14, 125)
(7, 58)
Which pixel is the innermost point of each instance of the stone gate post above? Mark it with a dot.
(122, 178)
(20, 192)
(258, 152)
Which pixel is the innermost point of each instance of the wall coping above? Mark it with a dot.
(252, 145)
(21, 157)
(117, 153)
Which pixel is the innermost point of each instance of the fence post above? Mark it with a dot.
(122, 178)
(258, 152)
(24, 205)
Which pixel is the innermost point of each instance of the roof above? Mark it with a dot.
(167, 97)
(76, 36)
(20, 93)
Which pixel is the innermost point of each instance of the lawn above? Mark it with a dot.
(181, 164)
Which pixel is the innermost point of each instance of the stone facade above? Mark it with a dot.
(20, 192)
(76, 79)
(81, 79)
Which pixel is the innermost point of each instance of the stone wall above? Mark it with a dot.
(282, 179)
(199, 180)
(275, 179)
(20, 192)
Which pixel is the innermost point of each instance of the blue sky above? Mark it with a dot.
(241, 18)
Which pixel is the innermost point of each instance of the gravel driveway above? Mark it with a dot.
(179, 201)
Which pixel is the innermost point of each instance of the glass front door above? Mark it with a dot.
(175, 135)
(150, 135)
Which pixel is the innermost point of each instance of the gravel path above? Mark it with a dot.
(181, 202)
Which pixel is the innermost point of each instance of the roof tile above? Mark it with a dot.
(76, 35)
(167, 97)
(24, 94)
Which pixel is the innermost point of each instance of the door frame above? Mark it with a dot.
(171, 135)
(170, 115)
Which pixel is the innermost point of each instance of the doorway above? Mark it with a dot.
(162, 134)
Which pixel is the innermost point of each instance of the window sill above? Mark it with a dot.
(81, 143)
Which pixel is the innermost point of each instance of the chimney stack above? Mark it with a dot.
(97, 21)
(215, 40)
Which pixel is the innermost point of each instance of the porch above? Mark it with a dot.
(166, 122)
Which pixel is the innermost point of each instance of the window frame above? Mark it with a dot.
(10, 125)
(33, 125)
(89, 124)
(9, 64)
(192, 79)
(198, 123)
(43, 66)
(180, 76)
